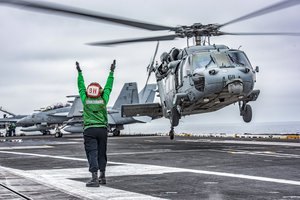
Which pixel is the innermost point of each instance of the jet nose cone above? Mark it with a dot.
(23, 120)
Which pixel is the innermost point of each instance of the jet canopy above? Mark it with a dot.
(55, 106)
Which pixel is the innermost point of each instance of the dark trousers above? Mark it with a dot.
(95, 144)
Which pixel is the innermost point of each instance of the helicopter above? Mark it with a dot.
(200, 78)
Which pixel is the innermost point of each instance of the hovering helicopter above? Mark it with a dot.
(196, 79)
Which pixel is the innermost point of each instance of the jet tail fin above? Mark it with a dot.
(128, 95)
(147, 94)
(76, 107)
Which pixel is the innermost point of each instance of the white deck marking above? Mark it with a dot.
(26, 147)
(291, 144)
(146, 168)
(259, 153)
(61, 180)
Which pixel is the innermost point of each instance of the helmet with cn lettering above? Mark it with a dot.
(94, 90)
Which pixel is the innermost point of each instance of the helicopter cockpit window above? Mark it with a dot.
(238, 58)
(203, 60)
(222, 59)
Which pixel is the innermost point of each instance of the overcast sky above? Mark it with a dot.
(38, 53)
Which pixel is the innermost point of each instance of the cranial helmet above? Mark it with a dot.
(94, 90)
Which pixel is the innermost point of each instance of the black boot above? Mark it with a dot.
(94, 182)
(102, 179)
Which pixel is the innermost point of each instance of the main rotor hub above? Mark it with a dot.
(197, 30)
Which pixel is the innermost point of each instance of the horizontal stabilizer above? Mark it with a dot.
(153, 110)
(144, 119)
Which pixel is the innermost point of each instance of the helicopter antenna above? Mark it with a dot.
(239, 47)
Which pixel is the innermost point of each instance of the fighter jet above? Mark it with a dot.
(51, 117)
(128, 95)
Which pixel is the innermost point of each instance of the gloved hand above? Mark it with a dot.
(78, 67)
(113, 66)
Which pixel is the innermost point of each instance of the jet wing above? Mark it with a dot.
(12, 119)
(153, 110)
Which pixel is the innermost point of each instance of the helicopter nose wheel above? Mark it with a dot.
(246, 112)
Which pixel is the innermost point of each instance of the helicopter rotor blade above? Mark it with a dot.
(146, 39)
(153, 58)
(150, 67)
(82, 13)
(253, 33)
(272, 8)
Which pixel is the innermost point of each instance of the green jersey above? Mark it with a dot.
(94, 109)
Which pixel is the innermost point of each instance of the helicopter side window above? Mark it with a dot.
(169, 83)
(179, 74)
(186, 69)
(202, 60)
(239, 58)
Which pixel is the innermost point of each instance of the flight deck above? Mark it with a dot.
(151, 167)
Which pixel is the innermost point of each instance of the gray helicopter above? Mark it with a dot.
(196, 79)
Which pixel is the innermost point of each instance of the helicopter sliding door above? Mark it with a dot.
(179, 75)
(170, 89)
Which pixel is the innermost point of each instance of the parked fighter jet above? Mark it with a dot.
(128, 95)
(51, 117)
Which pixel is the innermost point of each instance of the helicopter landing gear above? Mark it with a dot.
(172, 133)
(246, 112)
(174, 119)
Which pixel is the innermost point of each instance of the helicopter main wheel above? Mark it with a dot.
(172, 133)
(247, 113)
(175, 116)
(116, 132)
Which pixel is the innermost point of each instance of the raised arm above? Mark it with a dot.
(109, 83)
(80, 84)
